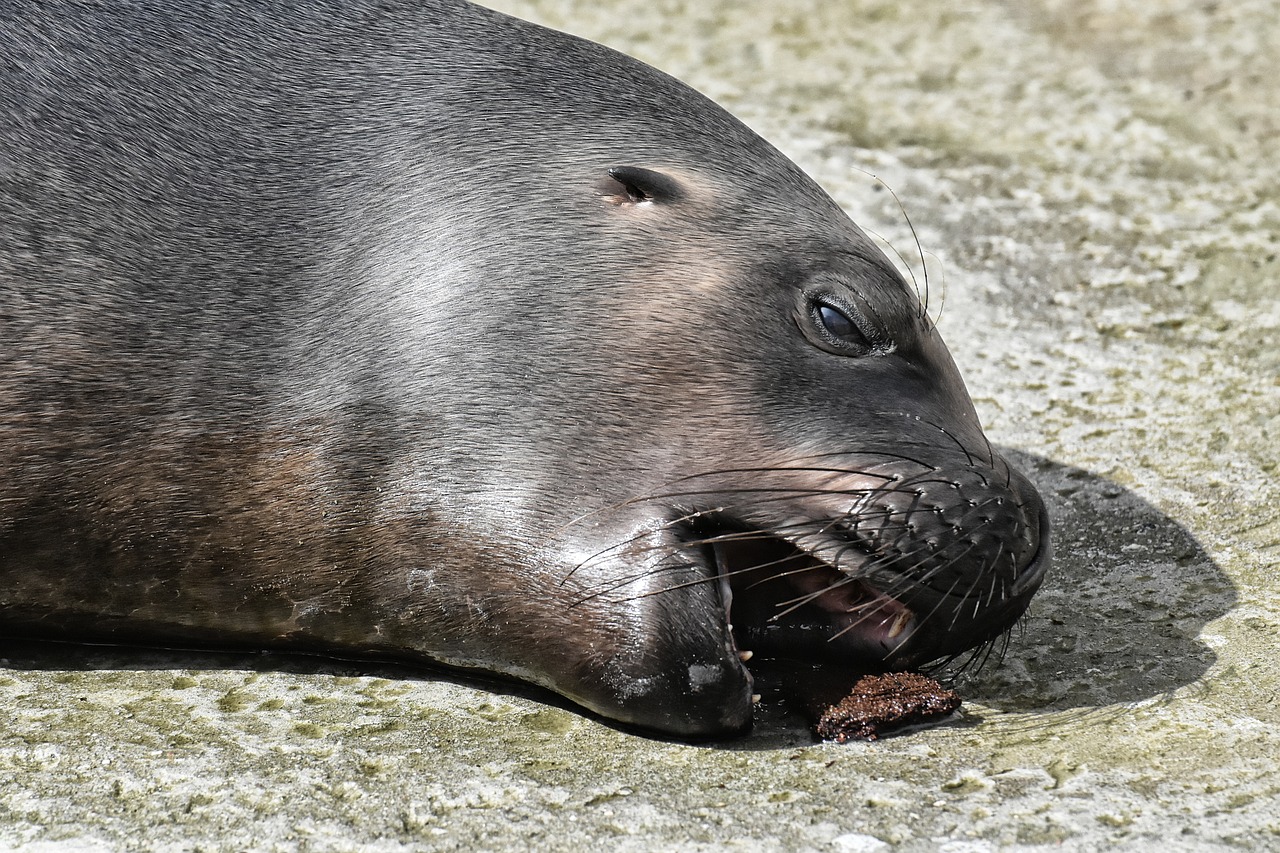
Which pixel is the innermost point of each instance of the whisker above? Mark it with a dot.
(914, 235)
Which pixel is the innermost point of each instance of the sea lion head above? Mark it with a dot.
(715, 418)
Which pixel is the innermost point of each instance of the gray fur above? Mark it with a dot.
(323, 324)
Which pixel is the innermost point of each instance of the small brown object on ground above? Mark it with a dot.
(880, 702)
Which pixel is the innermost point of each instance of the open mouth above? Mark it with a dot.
(783, 602)
(787, 603)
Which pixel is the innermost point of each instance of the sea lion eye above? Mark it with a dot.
(839, 331)
(836, 322)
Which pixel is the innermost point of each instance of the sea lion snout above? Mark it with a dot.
(873, 563)
(962, 547)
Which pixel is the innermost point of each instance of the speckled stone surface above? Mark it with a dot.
(1096, 185)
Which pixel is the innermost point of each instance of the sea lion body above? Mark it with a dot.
(412, 329)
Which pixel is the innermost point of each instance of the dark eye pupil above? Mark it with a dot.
(837, 323)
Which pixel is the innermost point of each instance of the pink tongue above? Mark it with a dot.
(849, 605)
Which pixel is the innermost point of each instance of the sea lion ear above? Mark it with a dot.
(634, 185)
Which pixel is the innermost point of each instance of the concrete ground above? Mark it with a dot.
(1096, 184)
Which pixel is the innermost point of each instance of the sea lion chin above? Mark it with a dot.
(411, 329)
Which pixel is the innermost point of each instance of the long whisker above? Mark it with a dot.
(914, 235)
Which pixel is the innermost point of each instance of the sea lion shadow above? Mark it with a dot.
(1117, 621)
(1120, 616)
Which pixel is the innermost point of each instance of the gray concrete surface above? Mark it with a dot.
(1097, 188)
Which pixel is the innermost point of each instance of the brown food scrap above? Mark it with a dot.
(880, 702)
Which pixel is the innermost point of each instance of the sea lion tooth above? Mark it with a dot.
(899, 624)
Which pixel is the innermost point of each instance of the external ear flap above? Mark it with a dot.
(633, 185)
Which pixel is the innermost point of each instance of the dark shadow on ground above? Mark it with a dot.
(1120, 617)
(1117, 621)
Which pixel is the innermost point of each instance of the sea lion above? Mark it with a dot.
(411, 329)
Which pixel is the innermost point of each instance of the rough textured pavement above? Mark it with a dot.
(1096, 184)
